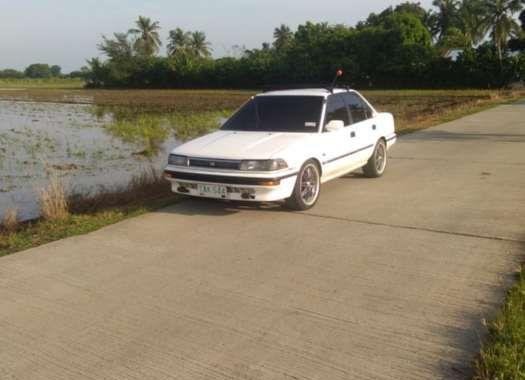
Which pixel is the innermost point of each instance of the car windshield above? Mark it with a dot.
(278, 114)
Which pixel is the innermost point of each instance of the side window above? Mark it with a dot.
(359, 110)
(336, 110)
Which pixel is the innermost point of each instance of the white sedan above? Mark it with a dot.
(283, 145)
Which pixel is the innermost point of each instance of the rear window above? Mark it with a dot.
(278, 114)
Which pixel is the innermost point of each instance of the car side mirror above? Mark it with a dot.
(334, 125)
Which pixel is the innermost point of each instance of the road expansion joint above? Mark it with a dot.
(413, 228)
(452, 160)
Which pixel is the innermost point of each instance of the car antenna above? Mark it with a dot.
(339, 73)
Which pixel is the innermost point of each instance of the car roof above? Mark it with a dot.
(304, 92)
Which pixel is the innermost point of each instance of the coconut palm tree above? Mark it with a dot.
(118, 48)
(178, 41)
(282, 37)
(198, 44)
(446, 17)
(472, 21)
(500, 16)
(147, 41)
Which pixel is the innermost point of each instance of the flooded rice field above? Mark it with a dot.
(89, 148)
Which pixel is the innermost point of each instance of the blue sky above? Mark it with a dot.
(66, 32)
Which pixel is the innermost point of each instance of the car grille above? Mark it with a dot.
(215, 163)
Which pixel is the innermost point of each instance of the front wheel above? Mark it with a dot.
(307, 187)
(376, 165)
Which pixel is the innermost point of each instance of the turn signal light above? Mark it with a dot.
(270, 183)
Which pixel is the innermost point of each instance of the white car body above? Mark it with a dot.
(212, 169)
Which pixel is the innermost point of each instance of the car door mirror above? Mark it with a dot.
(334, 125)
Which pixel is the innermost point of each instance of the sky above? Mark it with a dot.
(66, 32)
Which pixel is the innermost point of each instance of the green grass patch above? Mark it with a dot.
(45, 83)
(503, 354)
(148, 131)
(35, 233)
(189, 125)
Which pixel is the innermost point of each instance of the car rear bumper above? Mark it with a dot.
(239, 188)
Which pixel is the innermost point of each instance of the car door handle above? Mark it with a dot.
(374, 127)
(352, 134)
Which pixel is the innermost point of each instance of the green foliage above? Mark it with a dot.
(147, 38)
(503, 355)
(11, 74)
(396, 48)
(283, 37)
(500, 15)
(42, 70)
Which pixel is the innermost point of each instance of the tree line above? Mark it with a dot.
(457, 43)
(35, 70)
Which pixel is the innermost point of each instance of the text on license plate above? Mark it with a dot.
(212, 190)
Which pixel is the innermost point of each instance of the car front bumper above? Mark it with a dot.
(238, 188)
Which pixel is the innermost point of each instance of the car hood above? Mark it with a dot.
(241, 145)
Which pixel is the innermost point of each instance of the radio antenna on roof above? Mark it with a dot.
(339, 73)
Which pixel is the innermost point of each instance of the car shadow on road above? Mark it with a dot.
(214, 207)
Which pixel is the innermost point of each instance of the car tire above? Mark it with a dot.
(376, 165)
(307, 187)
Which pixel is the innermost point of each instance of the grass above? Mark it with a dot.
(47, 83)
(503, 354)
(10, 220)
(53, 200)
(419, 109)
(87, 213)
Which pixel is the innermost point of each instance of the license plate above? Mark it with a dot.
(212, 190)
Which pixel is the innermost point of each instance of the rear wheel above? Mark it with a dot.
(307, 187)
(376, 165)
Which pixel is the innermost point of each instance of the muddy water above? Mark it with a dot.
(39, 140)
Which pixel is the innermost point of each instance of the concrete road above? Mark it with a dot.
(384, 279)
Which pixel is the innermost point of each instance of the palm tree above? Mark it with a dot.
(473, 21)
(282, 37)
(500, 16)
(148, 41)
(179, 41)
(446, 17)
(118, 48)
(198, 44)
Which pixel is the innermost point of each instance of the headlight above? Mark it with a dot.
(263, 165)
(177, 160)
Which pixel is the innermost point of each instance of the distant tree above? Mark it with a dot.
(118, 48)
(446, 16)
(56, 70)
(38, 70)
(11, 73)
(455, 38)
(473, 21)
(178, 41)
(500, 15)
(97, 75)
(147, 42)
(198, 45)
(518, 43)
(283, 37)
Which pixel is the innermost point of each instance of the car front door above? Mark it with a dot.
(365, 125)
(338, 145)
